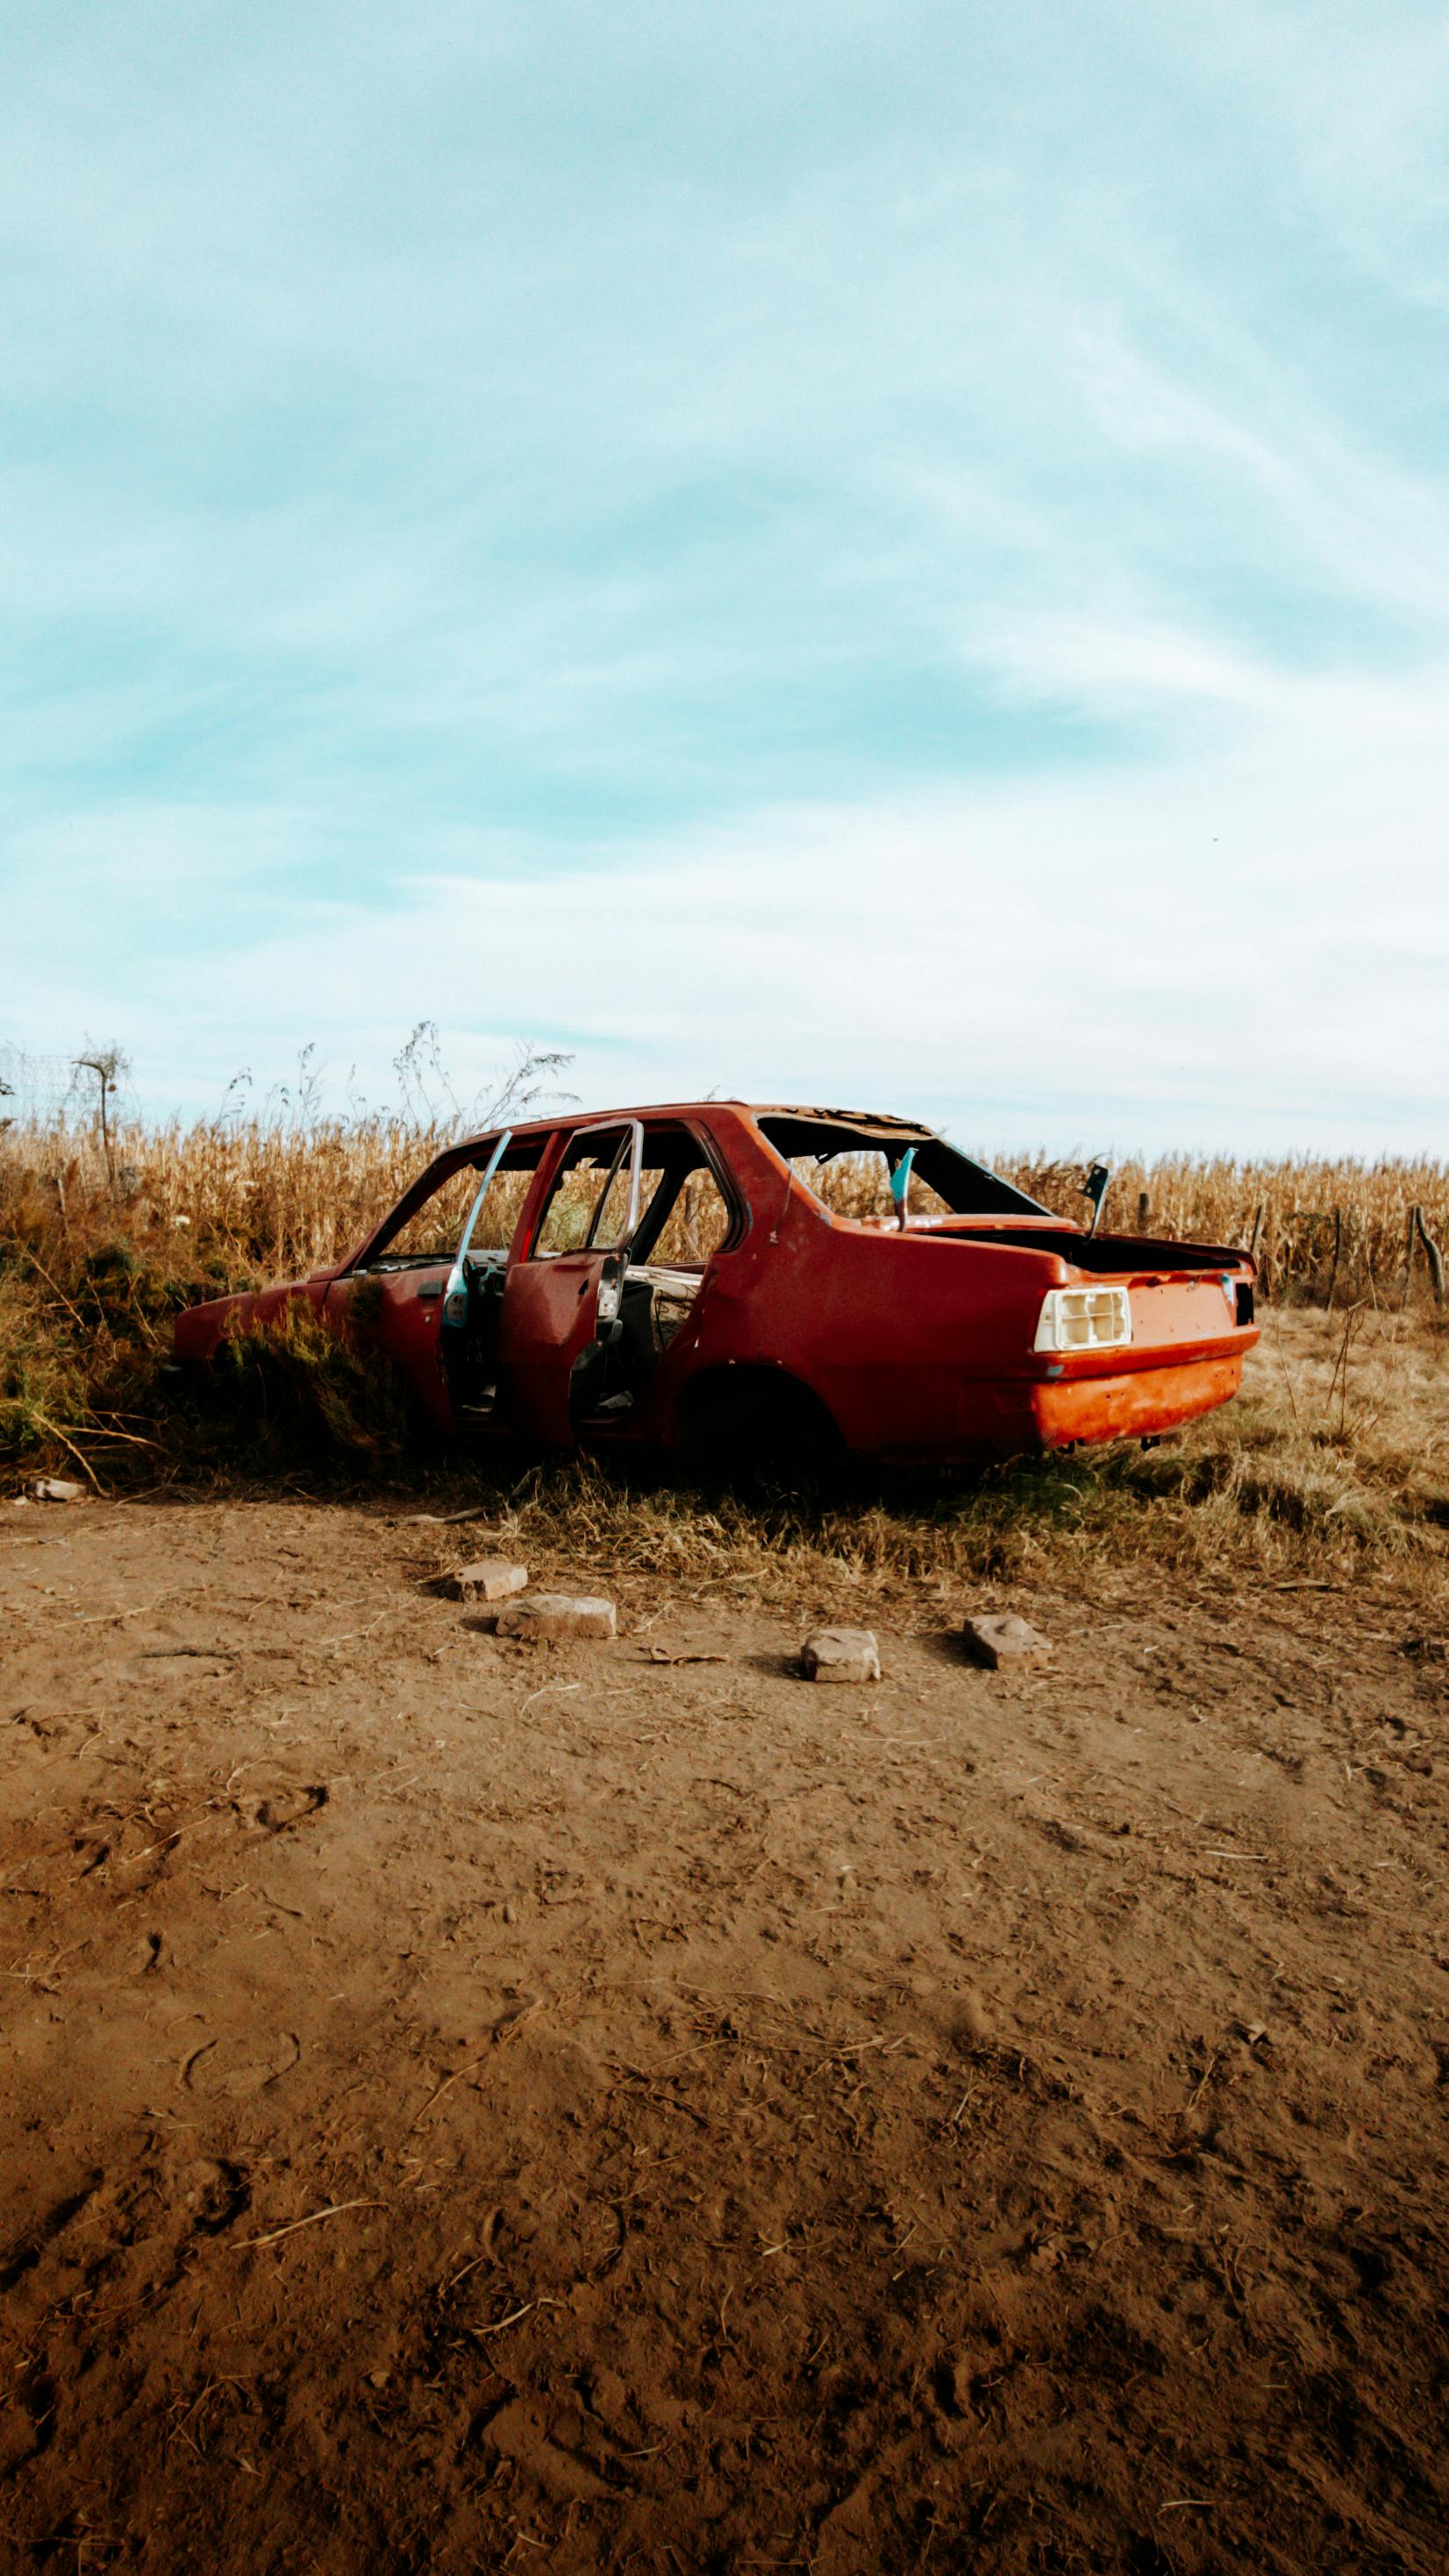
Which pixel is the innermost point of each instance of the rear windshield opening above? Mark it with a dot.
(848, 1164)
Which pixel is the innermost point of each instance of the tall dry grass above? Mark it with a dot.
(278, 1200)
(1318, 1227)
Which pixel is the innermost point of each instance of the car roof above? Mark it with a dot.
(870, 1122)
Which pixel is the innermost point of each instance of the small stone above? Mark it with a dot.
(57, 1489)
(841, 1655)
(1001, 1638)
(491, 1579)
(547, 1617)
(510, 1912)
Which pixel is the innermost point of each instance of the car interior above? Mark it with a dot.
(686, 1214)
(652, 1274)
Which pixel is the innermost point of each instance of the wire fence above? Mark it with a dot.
(37, 1090)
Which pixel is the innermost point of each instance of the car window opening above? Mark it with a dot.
(587, 1208)
(428, 1238)
(428, 1227)
(884, 1172)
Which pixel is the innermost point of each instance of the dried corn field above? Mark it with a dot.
(272, 1199)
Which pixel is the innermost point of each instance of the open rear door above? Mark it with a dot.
(565, 1290)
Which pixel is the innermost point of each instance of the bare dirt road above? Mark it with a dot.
(470, 2106)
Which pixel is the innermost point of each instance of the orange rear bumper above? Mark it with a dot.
(1135, 1403)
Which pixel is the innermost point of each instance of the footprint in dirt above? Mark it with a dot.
(279, 1810)
(239, 2063)
(27, 2422)
(44, 2231)
(215, 2193)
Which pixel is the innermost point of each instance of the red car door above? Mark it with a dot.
(551, 1304)
(400, 1314)
(394, 1298)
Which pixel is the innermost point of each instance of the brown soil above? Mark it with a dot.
(722, 2122)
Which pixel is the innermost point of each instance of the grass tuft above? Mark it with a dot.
(290, 1394)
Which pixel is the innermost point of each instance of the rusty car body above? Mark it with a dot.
(679, 1276)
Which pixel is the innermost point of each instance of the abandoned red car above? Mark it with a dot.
(715, 1278)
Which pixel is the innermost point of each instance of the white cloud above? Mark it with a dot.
(1239, 946)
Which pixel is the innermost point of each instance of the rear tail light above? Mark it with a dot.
(1084, 1319)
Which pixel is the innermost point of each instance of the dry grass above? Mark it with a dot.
(1335, 1456)
(278, 1200)
(1321, 1229)
(1334, 1461)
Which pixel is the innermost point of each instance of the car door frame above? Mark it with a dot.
(407, 1318)
(551, 1300)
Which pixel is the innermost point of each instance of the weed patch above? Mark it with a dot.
(292, 1393)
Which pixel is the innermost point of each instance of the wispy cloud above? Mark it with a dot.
(1244, 943)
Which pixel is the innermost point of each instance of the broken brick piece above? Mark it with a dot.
(491, 1579)
(841, 1655)
(549, 1617)
(1000, 1637)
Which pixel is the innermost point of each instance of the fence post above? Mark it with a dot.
(1337, 1249)
(1435, 1256)
(1409, 1257)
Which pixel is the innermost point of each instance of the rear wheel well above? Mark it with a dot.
(753, 1419)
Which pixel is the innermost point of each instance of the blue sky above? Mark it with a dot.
(886, 553)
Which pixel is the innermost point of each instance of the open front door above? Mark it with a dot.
(565, 1291)
(391, 1299)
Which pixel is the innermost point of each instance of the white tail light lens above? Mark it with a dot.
(1084, 1319)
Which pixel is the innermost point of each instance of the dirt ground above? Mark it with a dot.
(468, 2105)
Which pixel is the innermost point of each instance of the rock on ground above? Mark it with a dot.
(549, 1616)
(841, 1655)
(491, 1579)
(1001, 1637)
